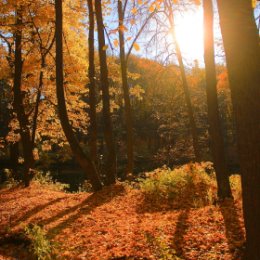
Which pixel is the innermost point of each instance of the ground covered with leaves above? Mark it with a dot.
(115, 223)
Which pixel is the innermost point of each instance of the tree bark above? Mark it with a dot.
(84, 161)
(92, 85)
(217, 141)
(241, 44)
(37, 104)
(193, 127)
(108, 131)
(18, 102)
(14, 157)
(128, 110)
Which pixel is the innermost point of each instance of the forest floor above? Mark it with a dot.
(118, 223)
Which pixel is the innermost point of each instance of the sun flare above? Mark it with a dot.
(189, 33)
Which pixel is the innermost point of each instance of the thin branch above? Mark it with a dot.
(138, 34)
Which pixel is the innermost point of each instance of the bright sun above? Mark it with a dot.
(189, 33)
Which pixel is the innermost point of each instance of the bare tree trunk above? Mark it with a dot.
(217, 141)
(37, 104)
(84, 161)
(18, 102)
(193, 127)
(241, 44)
(128, 110)
(108, 131)
(14, 156)
(92, 85)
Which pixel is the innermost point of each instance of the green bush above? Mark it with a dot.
(161, 248)
(189, 185)
(9, 182)
(235, 183)
(40, 246)
(46, 179)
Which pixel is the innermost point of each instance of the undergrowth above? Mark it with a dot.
(191, 185)
(9, 182)
(162, 250)
(47, 180)
(40, 246)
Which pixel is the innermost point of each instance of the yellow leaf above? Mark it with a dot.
(122, 28)
(136, 46)
(197, 2)
(254, 3)
(132, 21)
(140, 2)
(175, 1)
(151, 8)
(115, 43)
(104, 47)
(134, 10)
(129, 38)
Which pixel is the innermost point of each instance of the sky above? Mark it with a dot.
(189, 31)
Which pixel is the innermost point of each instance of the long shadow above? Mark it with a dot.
(180, 231)
(93, 201)
(234, 231)
(35, 210)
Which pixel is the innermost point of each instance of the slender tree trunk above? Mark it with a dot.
(128, 110)
(84, 160)
(18, 102)
(14, 156)
(217, 141)
(193, 127)
(108, 131)
(38, 100)
(92, 85)
(241, 44)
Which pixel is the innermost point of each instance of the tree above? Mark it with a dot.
(128, 110)
(241, 44)
(217, 142)
(107, 128)
(193, 127)
(83, 159)
(18, 100)
(92, 84)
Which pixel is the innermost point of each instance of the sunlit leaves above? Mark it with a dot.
(152, 8)
(136, 46)
(115, 42)
(134, 10)
(105, 47)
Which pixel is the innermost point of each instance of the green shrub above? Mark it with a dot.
(46, 179)
(189, 185)
(161, 248)
(235, 183)
(85, 187)
(40, 246)
(9, 182)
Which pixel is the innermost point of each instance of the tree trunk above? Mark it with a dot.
(14, 157)
(18, 102)
(38, 100)
(92, 85)
(84, 160)
(108, 131)
(241, 44)
(128, 110)
(217, 141)
(193, 127)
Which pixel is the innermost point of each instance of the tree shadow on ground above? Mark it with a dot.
(95, 200)
(233, 227)
(36, 210)
(17, 246)
(180, 232)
